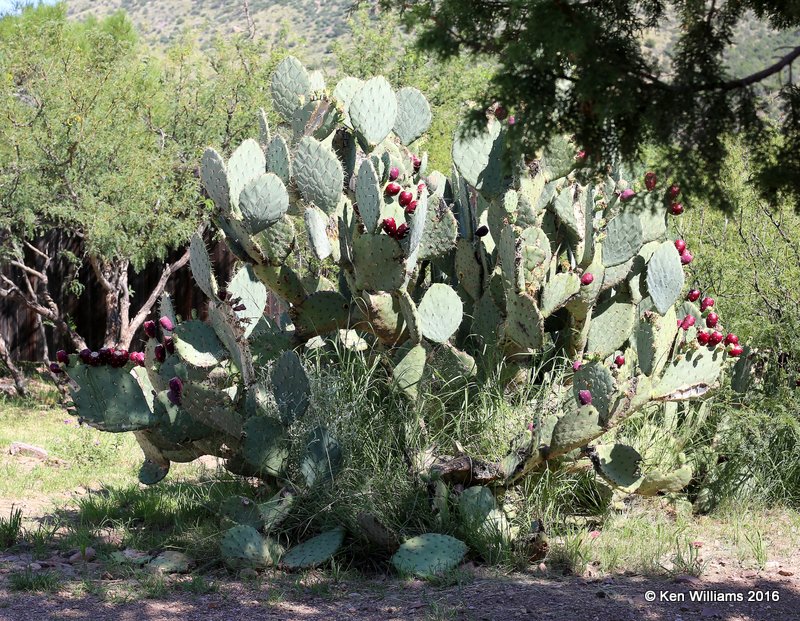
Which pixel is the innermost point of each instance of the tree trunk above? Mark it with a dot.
(16, 374)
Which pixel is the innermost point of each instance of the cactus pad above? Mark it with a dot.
(576, 428)
(247, 162)
(290, 386)
(263, 201)
(689, 376)
(151, 472)
(598, 380)
(440, 230)
(215, 179)
(197, 344)
(379, 263)
(373, 110)
(265, 445)
(665, 277)
(618, 464)
(558, 291)
(413, 115)
(242, 510)
(525, 324)
(323, 457)
(479, 158)
(440, 313)
(110, 399)
(429, 555)
(344, 92)
(318, 174)
(200, 263)
(409, 370)
(623, 239)
(243, 547)
(278, 160)
(316, 226)
(290, 86)
(368, 195)
(611, 325)
(315, 551)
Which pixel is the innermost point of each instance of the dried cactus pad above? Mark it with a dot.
(315, 551)
(429, 555)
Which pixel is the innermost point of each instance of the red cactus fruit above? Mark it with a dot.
(712, 319)
(736, 351)
(85, 355)
(580, 155)
(512, 120)
(626, 195)
(393, 189)
(716, 338)
(693, 295)
(95, 360)
(416, 162)
(62, 356)
(585, 397)
(105, 354)
(706, 303)
(500, 113)
(676, 209)
(587, 279)
(680, 245)
(161, 353)
(405, 198)
(55, 368)
(402, 231)
(389, 226)
(150, 329)
(686, 257)
(482, 231)
(411, 208)
(731, 339)
(650, 180)
(169, 344)
(703, 337)
(673, 192)
(619, 360)
(576, 366)
(394, 173)
(166, 323)
(687, 322)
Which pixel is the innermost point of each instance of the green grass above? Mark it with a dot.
(40, 582)
(10, 528)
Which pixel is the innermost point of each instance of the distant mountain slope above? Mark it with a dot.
(318, 22)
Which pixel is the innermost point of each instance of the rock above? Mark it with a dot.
(772, 565)
(170, 562)
(34, 566)
(785, 572)
(88, 555)
(28, 450)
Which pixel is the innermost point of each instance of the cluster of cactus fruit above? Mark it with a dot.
(532, 264)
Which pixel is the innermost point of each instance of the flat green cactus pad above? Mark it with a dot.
(612, 325)
(246, 163)
(242, 510)
(524, 324)
(690, 376)
(409, 369)
(253, 295)
(368, 195)
(212, 408)
(379, 263)
(479, 158)
(440, 313)
(215, 179)
(373, 110)
(623, 239)
(438, 236)
(316, 226)
(665, 277)
(475, 503)
(290, 86)
(598, 380)
(265, 445)
(323, 458)
(275, 510)
(570, 212)
(110, 399)
(320, 313)
(263, 201)
(653, 338)
(315, 551)
(202, 270)
(318, 174)
(576, 428)
(243, 547)
(278, 160)
(618, 464)
(742, 372)
(429, 555)
(671, 482)
(344, 92)
(197, 344)
(486, 319)
(290, 386)
(558, 291)
(264, 135)
(413, 115)
(534, 249)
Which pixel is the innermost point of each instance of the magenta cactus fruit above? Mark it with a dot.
(676, 209)
(176, 384)
(105, 354)
(55, 368)
(416, 163)
(405, 198)
(731, 339)
(500, 113)
(587, 279)
(585, 397)
(703, 337)
(389, 226)
(411, 208)
(402, 231)
(137, 357)
(650, 180)
(673, 192)
(95, 359)
(686, 257)
(619, 360)
(576, 366)
(512, 120)
(166, 323)
(169, 344)
(393, 189)
(119, 358)
(394, 173)
(706, 303)
(161, 353)
(687, 322)
(626, 195)
(85, 355)
(693, 295)
(736, 351)
(62, 356)
(715, 338)
(712, 319)
(580, 155)
(680, 245)
(482, 231)
(150, 329)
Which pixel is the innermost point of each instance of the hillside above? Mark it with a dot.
(311, 24)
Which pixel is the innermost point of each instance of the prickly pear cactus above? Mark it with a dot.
(540, 262)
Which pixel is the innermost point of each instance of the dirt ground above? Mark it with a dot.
(756, 597)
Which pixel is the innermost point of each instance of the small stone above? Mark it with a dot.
(686, 579)
(87, 555)
(34, 566)
(28, 450)
(785, 572)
